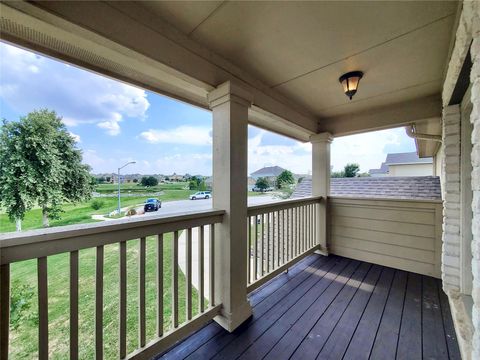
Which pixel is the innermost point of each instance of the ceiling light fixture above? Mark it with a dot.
(350, 82)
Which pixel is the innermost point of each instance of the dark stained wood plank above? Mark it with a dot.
(339, 339)
(385, 345)
(376, 321)
(316, 338)
(410, 339)
(194, 342)
(274, 305)
(434, 343)
(364, 336)
(303, 315)
(450, 335)
(319, 280)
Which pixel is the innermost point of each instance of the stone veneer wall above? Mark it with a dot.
(451, 196)
(475, 120)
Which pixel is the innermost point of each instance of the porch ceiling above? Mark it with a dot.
(289, 55)
(301, 48)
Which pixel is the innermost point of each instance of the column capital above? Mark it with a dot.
(321, 137)
(230, 91)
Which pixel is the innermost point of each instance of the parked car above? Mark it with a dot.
(201, 195)
(257, 189)
(152, 204)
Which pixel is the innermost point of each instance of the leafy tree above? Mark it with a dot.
(197, 183)
(285, 178)
(39, 164)
(337, 174)
(351, 170)
(262, 183)
(135, 181)
(149, 181)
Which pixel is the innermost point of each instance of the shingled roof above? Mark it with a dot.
(406, 158)
(401, 187)
(268, 171)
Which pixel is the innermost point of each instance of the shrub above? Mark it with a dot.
(131, 212)
(97, 204)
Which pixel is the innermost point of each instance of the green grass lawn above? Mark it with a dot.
(24, 339)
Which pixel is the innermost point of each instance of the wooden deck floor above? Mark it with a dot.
(335, 308)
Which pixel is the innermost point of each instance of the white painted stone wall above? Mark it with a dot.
(451, 198)
(475, 120)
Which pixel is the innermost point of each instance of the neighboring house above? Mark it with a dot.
(267, 172)
(176, 177)
(401, 187)
(404, 164)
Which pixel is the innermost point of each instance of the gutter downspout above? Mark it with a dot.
(410, 130)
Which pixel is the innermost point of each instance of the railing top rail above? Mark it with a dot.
(369, 198)
(283, 204)
(43, 242)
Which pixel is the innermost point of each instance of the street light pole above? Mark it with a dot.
(130, 162)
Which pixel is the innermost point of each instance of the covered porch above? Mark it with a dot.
(320, 276)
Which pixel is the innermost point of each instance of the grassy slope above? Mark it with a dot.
(24, 340)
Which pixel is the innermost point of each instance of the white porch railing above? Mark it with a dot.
(40, 244)
(279, 234)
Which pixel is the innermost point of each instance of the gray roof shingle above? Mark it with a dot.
(406, 158)
(401, 187)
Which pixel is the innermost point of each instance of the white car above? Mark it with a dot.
(201, 195)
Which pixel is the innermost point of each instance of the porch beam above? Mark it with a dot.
(321, 184)
(384, 117)
(230, 103)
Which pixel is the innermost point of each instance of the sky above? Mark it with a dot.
(113, 123)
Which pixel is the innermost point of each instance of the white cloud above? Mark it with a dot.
(186, 135)
(32, 82)
(185, 163)
(368, 149)
(75, 137)
(296, 158)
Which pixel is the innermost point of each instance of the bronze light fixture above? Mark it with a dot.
(350, 82)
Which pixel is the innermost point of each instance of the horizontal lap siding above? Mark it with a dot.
(400, 234)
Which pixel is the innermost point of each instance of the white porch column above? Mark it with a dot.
(321, 183)
(230, 103)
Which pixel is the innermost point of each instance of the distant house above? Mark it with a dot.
(176, 177)
(267, 172)
(404, 164)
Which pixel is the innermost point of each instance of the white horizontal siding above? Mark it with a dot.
(403, 234)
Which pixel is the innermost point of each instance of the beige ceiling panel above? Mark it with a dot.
(184, 15)
(277, 41)
(410, 66)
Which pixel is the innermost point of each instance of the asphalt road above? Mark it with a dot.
(181, 206)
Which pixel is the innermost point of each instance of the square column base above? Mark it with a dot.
(231, 321)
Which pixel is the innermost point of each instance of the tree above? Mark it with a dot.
(40, 165)
(149, 181)
(285, 178)
(337, 174)
(262, 183)
(351, 170)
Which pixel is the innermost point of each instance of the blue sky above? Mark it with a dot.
(114, 122)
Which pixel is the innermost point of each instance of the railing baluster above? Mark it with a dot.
(212, 265)
(159, 285)
(74, 305)
(188, 281)
(175, 280)
(99, 303)
(249, 246)
(123, 300)
(201, 269)
(262, 248)
(42, 308)
(255, 251)
(4, 309)
(284, 237)
(268, 243)
(141, 293)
